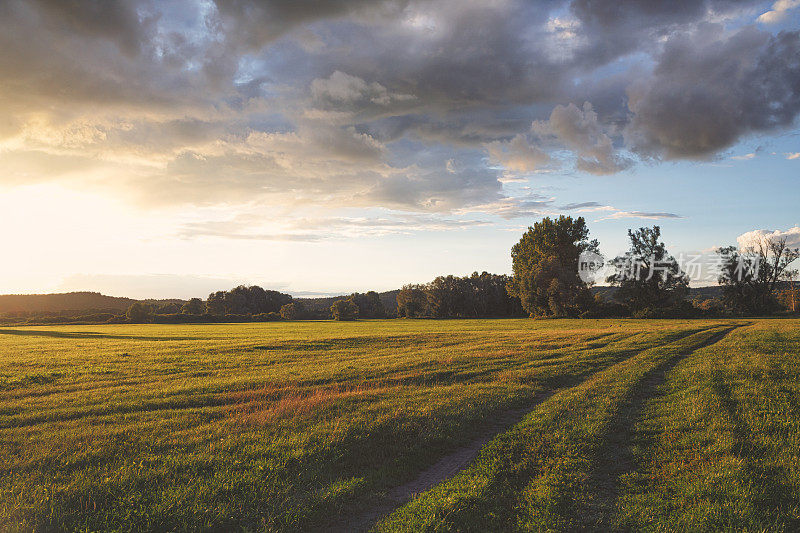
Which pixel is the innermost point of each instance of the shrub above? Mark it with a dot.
(684, 310)
(272, 316)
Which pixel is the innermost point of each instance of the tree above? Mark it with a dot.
(244, 300)
(344, 310)
(750, 276)
(411, 301)
(476, 296)
(648, 277)
(168, 308)
(545, 265)
(195, 306)
(293, 311)
(236, 301)
(139, 312)
(369, 305)
(215, 304)
(274, 300)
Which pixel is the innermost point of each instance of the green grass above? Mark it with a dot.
(661, 425)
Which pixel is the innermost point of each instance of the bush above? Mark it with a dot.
(344, 310)
(602, 308)
(684, 310)
(184, 318)
(711, 308)
(267, 317)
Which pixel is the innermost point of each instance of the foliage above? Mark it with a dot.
(477, 296)
(168, 308)
(369, 305)
(293, 311)
(184, 318)
(789, 297)
(344, 310)
(603, 308)
(244, 300)
(139, 312)
(412, 301)
(195, 306)
(545, 265)
(649, 278)
(272, 316)
(750, 275)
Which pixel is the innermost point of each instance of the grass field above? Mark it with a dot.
(644, 425)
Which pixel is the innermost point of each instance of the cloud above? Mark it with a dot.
(343, 89)
(753, 238)
(707, 93)
(615, 29)
(515, 207)
(587, 207)
(580, 131)
(744, 157)
(641, 214)
(358, 103)
(778, 11)
(256, 23)
(794, 155)
(517, 155)
(116, 21)
(581, 205)
(312, 229)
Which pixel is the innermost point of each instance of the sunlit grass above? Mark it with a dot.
(280, 426)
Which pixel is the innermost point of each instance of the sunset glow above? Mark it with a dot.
(166, 149)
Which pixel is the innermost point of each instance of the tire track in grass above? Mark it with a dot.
(445, 468)
(453, 463)
(615, 458)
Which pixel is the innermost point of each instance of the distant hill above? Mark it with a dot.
(80, 301)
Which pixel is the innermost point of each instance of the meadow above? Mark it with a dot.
(402, 425)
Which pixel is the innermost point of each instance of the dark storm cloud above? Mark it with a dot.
(118, 21)
(410, 104)
(706, 94)
(616, 28)
(258, 22)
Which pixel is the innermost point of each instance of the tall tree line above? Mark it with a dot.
(481, 295)
(243, 300)
(649, 281)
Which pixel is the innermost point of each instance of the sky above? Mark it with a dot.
(167, 149)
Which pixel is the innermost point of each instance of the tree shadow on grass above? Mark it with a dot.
(615, 456)
(776, 497)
